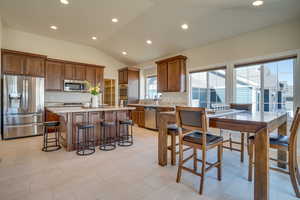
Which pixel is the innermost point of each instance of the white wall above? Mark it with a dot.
(0, 39)
(273, 41)
(59, 49)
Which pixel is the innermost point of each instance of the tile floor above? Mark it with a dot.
(127, 173)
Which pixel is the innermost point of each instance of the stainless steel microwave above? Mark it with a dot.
(74, 86)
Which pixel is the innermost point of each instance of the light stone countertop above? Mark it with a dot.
(59, 110)
(153, 105)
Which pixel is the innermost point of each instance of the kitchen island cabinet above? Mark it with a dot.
(69, 116)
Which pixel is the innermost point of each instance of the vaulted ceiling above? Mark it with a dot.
(140, 20)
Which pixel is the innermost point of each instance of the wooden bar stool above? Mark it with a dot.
(285, 143)
(51, 143)
(173, 133)
(108, 142)
(198, 138)
(85, 139)
(241, 143)
(126, 139)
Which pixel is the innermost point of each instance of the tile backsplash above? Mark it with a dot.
(169, 98)
(67, 97)
(174, 98)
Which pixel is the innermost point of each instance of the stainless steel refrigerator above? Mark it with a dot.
(22, 112)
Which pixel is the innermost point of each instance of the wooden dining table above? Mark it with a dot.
(258, 123)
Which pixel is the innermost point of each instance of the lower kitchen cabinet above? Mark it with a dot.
(138, 116)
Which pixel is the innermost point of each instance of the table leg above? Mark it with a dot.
(261, 173)
(282, 155)
(162, 141)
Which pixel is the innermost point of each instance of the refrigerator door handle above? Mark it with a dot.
(24, 125)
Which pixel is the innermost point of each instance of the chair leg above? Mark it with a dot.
(203, 171)
(296, 166)
(242, 146)
(292, 171)
(180, 162)
(220, 153)
(247, 140)
(195, 158)
(173, 149)
(250, 165)
(230, 142)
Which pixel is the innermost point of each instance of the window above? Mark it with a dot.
(208, 88)
(268, 86)
(151, 87)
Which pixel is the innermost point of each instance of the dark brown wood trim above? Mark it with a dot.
(129, 68)
(72, 62)
(172, 58)
(23, 53)
(266, 61)
(207, 69)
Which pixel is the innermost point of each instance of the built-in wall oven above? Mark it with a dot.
(75, 86)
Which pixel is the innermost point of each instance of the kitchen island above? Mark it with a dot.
(69, 116)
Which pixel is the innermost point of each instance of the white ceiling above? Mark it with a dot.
(139, 20)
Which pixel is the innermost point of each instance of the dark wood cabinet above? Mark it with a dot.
(91, 75)
(21, 63)
(138, 116)
(54, 75)
(80, 72)
(35, 66)
(100, 77)
(69, 71)
(123, 76)
(54, 70)
(162, 77)
(95, 76)
(171, 74)
(129, 79)
(13, 63)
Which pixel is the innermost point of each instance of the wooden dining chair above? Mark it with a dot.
(241, 143)
(285, 143)
(194, 120)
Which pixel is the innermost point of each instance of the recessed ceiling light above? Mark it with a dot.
(53, 27)
(66, 2)
(94, 38)
(184, 26)
(258, 3)
(124, 53)
(149, 42)
(115, 20)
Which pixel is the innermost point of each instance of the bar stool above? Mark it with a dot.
(85, 139)
(126, 139)
(173, 132)
(108, 142)
(51, 143)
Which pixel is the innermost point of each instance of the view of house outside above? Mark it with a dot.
(208, 88)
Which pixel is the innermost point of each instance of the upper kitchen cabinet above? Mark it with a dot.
(171, 74)
(21, 63)
(162, 77)
(80, 71)
(35, 66)
(54, 75)
(123, 76)
(129, 79)
(74, 71)
(95, 75)
(69, 71)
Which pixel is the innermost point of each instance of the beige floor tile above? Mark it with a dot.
(130, 173)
